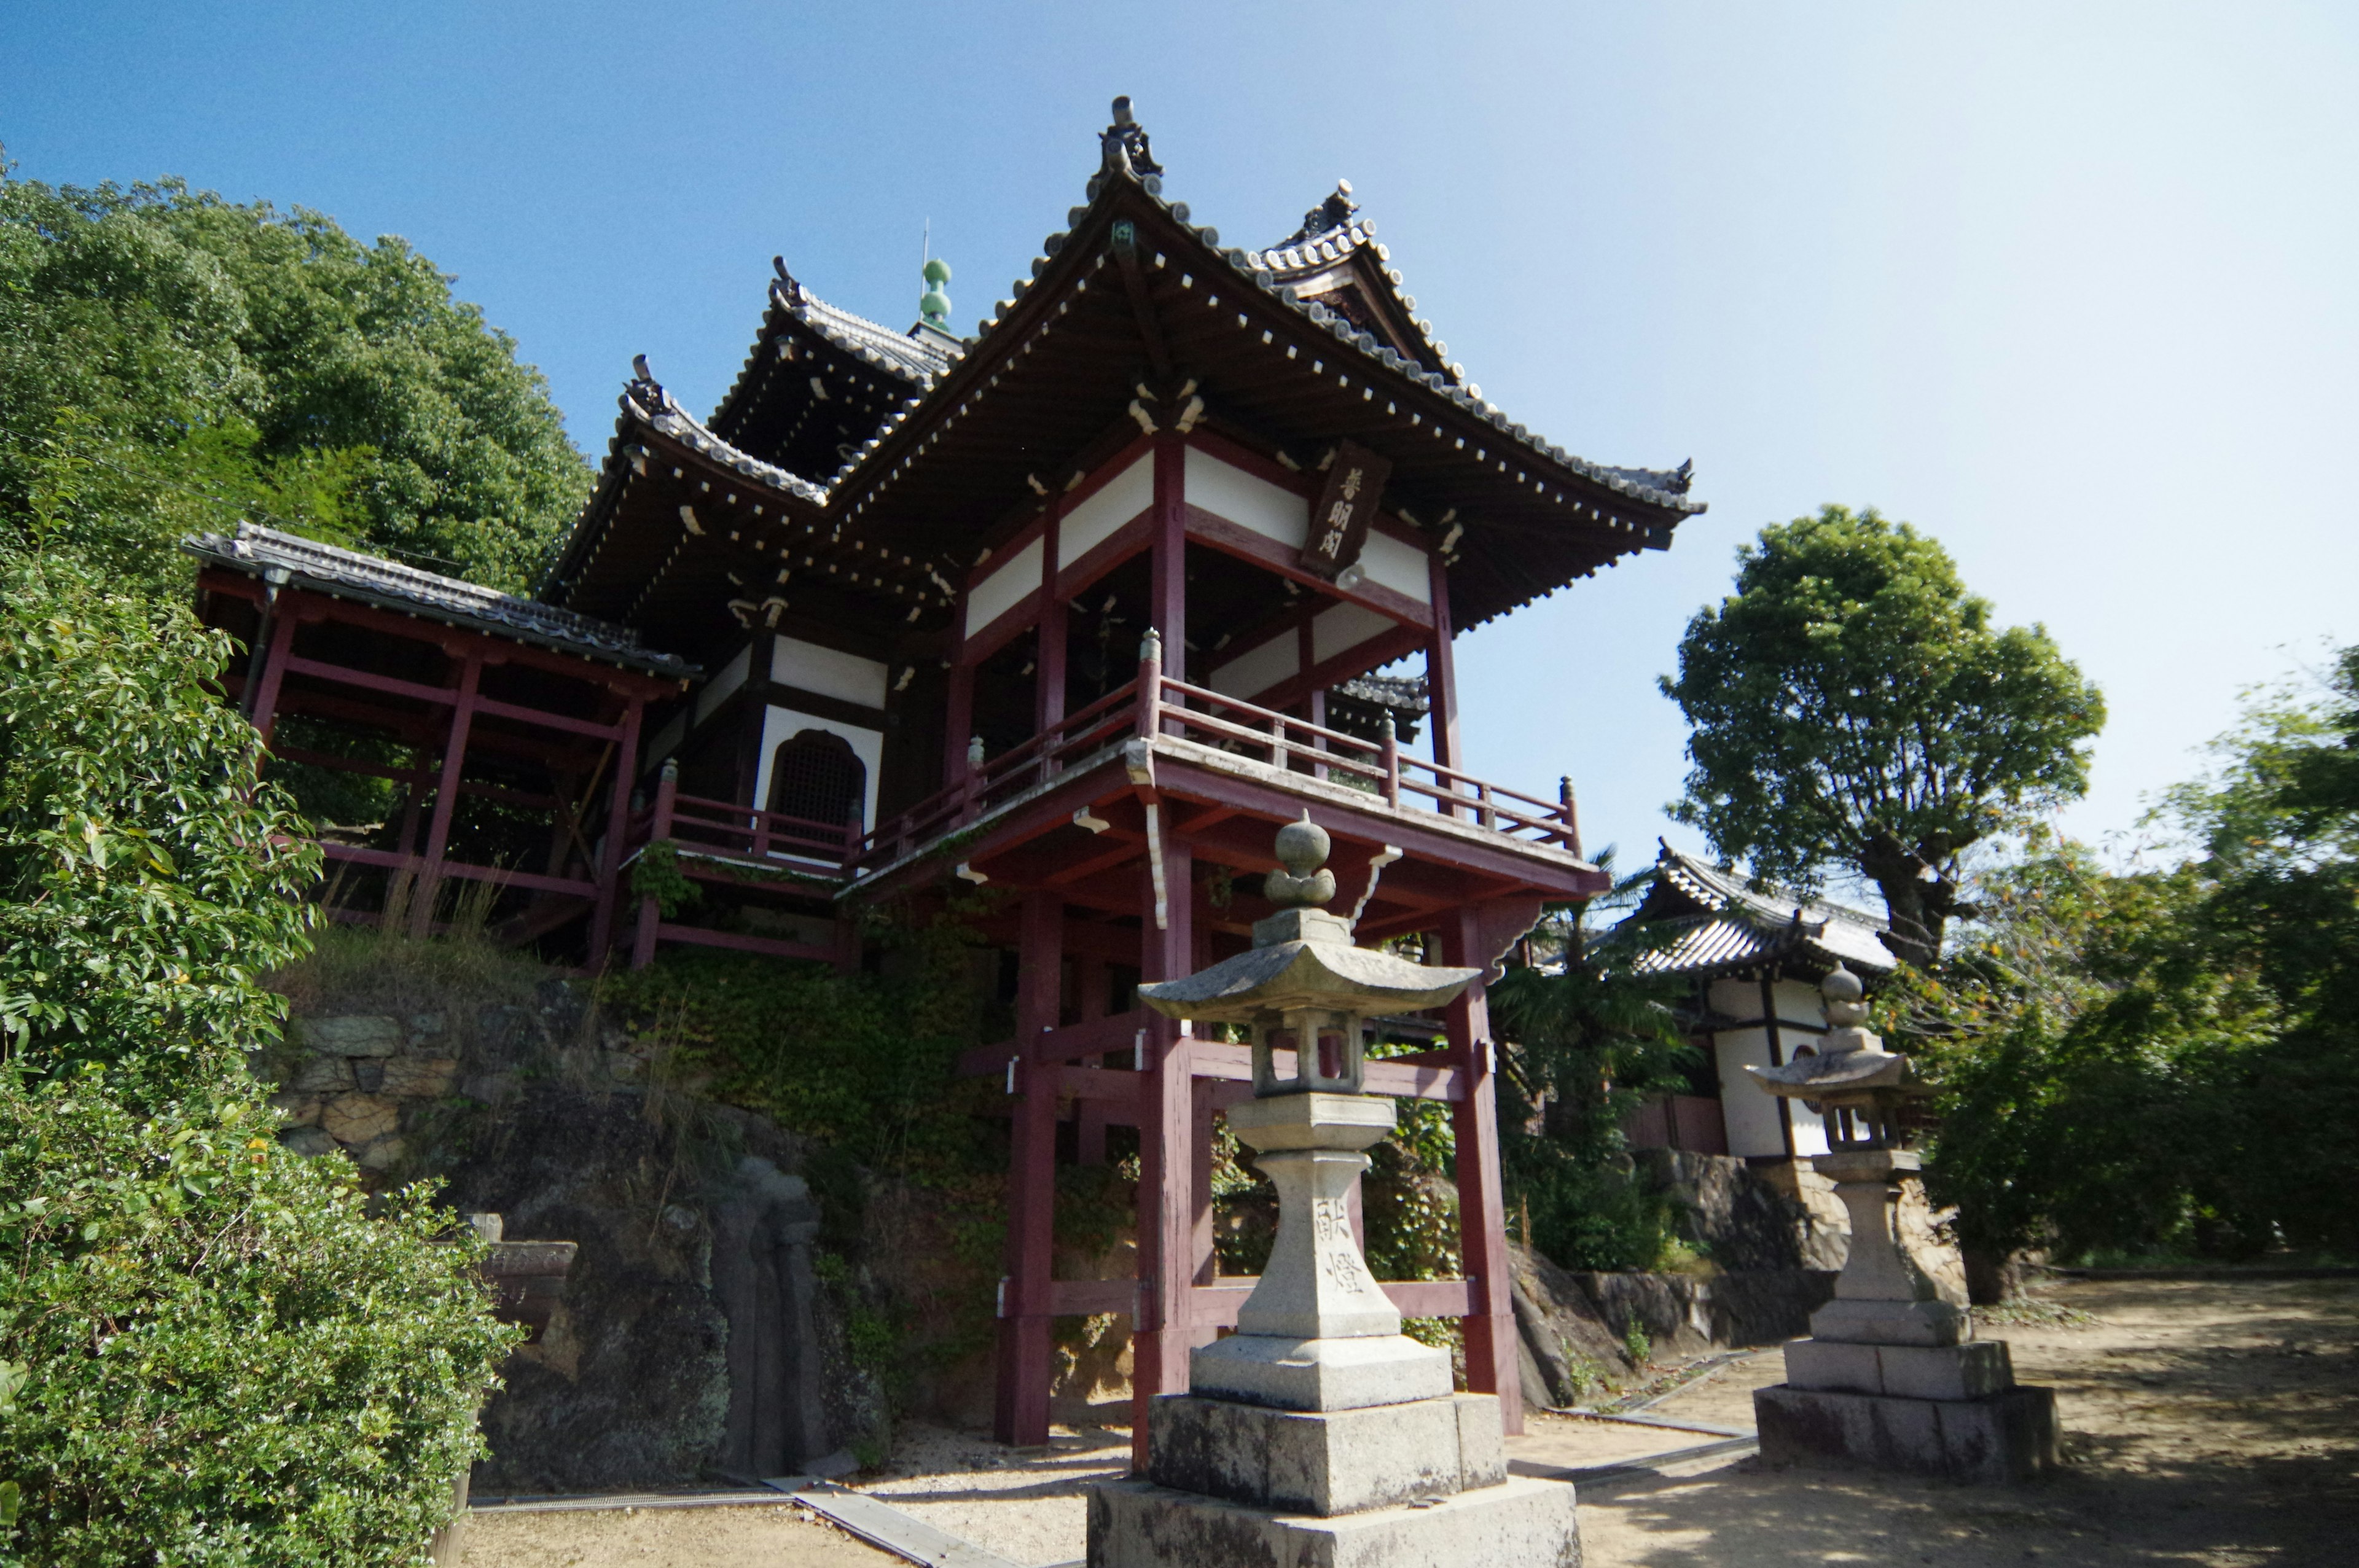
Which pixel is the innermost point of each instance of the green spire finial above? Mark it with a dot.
(934, 306)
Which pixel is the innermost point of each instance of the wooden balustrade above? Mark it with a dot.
(1153, 704)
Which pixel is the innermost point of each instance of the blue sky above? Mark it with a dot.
(2071, 287)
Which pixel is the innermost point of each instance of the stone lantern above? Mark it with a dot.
(1319, 1433)
(1892, 1376)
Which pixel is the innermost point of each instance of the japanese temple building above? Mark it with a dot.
(1754, 956)
(1077, 609)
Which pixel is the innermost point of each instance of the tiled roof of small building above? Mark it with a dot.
(1698, 919)
(373, 579)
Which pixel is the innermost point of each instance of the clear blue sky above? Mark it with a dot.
(2071, 287)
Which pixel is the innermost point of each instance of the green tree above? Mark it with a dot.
(1591, 1042)
(2167, 1059)
(1854, 707)
(210, 1351)
(146, 878)
(169, 360)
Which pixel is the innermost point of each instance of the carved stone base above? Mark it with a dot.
(1319, 1374)
(2009, 1436)
(1301, 1462)
(1518, 1524)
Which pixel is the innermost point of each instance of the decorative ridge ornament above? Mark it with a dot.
(1125, 147)
(1335, 213)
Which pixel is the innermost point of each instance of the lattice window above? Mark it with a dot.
(818, 777)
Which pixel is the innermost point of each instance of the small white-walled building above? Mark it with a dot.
(1756, 957)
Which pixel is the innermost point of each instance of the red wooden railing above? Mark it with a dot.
(1154, 703)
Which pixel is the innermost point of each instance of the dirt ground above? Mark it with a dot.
(2211, 1424)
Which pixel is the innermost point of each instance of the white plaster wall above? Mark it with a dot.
(1345, 627)
(1754, 1126)
(1004, 590)
(829, 672)
(1226, 491)
(1798, 1000)
(1114, 503)
(1396, 565)
(732, 676)
(780, 725)
(1258, 669)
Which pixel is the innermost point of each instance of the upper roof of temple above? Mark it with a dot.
(922, 448)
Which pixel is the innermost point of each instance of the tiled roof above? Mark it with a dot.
(372, 579)
(914, 358)
(1650, 486)
(1404, 693)
(1731, 925)
(647, 401)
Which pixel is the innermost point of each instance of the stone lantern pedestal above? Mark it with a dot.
(1319, 1435)
(1892, 1376)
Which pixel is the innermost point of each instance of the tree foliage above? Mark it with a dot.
(1854, 707)
(171, 361)
(146, 878)
(2168, 1060)
(208, 1351)
(1591, 1043)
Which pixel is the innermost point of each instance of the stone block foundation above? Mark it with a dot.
(2009, 1436)
(1519, 1523)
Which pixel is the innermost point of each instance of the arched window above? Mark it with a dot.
(818, 777)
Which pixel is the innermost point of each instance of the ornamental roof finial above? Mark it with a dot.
(933, 304)
(1125, 143)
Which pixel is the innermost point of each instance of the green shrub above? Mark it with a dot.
(210, 1353)
(146, 878)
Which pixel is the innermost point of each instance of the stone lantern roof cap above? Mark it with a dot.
(1291, 976)
(1303, 957)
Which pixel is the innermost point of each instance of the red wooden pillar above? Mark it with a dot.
(1091, 1135)
(1021, 1416)
(958, 722)
(1168, 574)
(1490, 1366)
(1442, 673)
(650, 913)
(618, 826)
(1161, 1336)
(428, 892)
(1049, 661)
(274, 674)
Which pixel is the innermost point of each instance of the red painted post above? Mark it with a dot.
(1168, 574)
(1160, 1337)
(274, 673)
(1024, 1346)
(1095, 1003)
(1490, 1366)
(958, 722)
(1049, 655)
(1441, 676)
(427, 892)
(643, 938)
(1150, 683)
(618, 826)
(1568, 813)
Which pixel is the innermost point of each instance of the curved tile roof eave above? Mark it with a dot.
(391, 584)
(1262, 277)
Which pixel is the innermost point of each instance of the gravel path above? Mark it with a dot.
(2208, 1425)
